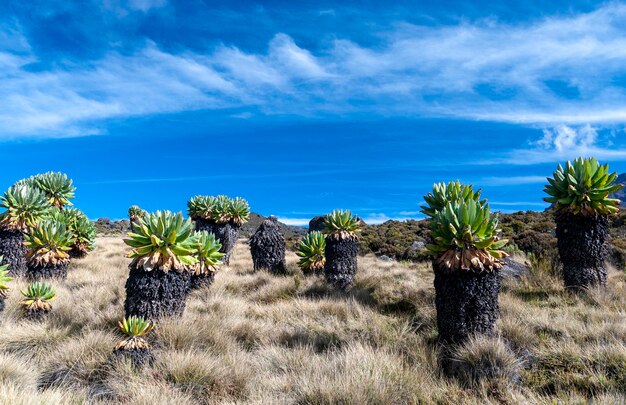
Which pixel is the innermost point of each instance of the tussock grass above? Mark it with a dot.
(255, 338)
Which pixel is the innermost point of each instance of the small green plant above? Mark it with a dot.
(57, 186)
(452, 192)
(37, 297)
(207, 252)
(311, 252)
(48, 243)
(4, 279)
(134, 328)
(465, 236)
(162, 240)
(583, 187)
(342, 225)
(24, 207)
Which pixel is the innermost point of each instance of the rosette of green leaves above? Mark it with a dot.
(311, 252)
(443, 194)
(57, 186)
(341, 224)
(583, 187)
(207, 252)
(24, 207)
(238, 211)
(163, 240)
(48, 243)
(4, 279)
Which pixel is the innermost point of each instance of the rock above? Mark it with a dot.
(385, 258)
(418, 245)
(317, 223)
(513, 269)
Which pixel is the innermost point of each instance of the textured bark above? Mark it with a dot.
(13, 251)
(267, 247)
(226, 232)
(155, 294)
(2, 304)
(466, 302)
(317, 223)
(137, 357)
(45, 272)
(341, 262)
(201, 280)
(77, 253)
(36, 315)
(582, 249)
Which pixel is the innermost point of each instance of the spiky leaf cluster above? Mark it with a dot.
(135, 213)
(207, 251)
(4, 279)
(24, 205)
(451, 192)
(311, 252)
(465, 237)
(134, 328)
(341, 224)
(220, 209)
(37, 297)
(57, 186)
(583, 187)
(162, 240)
(48, 243)
(82, 229)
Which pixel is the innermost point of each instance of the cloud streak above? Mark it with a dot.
(559, 72)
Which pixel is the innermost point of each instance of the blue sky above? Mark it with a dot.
(303, 107)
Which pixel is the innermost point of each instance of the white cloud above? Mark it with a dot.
(294, 221)
(483, 70)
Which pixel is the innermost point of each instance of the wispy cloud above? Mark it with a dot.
(555, 71)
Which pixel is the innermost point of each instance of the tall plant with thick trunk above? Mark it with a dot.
(207, 252)
(57, 187)
(48, 244)
(135, 213)
(342, 246)
(25, 205)
(220, 216)
(581, 205)
(267, 247)
(160, 272)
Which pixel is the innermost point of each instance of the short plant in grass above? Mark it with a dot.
(4, 280)
(311, 252)
(163, 253)
(207, 252)
(267, 247)
(37, 297)
(579, 193)
(466, 255)
(134, 346)
(57, 186)
(24, 206)
(135, 213)
(444, 193)
(48, 244)
(342, 244)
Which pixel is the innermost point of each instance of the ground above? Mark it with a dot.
(255, 338)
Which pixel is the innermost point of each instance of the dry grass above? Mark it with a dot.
(261, 339)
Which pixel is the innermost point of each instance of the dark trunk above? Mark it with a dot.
(13, 251)
(36, 314)
(201, 280)
(267, 247)
(154, 294)
(132, 223)
(317, 223)
(226, 232)
(466, 302)
(43, 272)
(137, 357)
(582, 249)
(341, 263)
(2, 304)
(76, 253)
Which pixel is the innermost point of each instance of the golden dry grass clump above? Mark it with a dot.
(255, 338)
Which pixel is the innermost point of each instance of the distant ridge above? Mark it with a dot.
(622, 193)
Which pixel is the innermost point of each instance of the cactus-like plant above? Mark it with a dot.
(452, 192)
(37, 297)
(583, 187)
(465, 237)
(57, 186)
(24, 207)
(4, 280)
(207, 252)
(200, 207)
(311, 252)
(238, 211)
(342, 245)
(164, 255)
(134, 328)
(162, 241)
(48, 244)
(83, 231)
(581, 205)
(135, 212)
